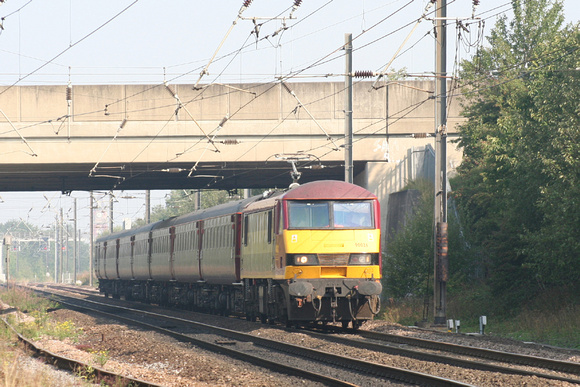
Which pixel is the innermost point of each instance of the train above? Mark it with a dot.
(306, 254)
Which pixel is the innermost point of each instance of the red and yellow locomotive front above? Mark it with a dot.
(328, 253)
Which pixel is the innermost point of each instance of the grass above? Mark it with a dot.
(12, 370)
(551, 318)
(37, 307)
(13, 373)
(25, 301)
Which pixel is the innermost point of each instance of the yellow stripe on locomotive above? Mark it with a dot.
(332, 253)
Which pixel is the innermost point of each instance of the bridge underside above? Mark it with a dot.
(142, 176)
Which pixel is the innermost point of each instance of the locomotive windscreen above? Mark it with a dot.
(335, 214)
(352, 214)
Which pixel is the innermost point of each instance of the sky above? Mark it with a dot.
(148, 42)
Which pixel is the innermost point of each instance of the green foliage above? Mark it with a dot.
(409, 256)
(37, 308)
(517, 190)
(408, 263)
(25, 301)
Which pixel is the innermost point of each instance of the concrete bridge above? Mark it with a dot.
(59, 138)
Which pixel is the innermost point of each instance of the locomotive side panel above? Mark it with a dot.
(218, 250)
(186, 253)
(141, 256)
(258, 245)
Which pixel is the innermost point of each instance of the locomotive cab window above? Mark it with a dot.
(334, 214)
(352, 214)
(308, 214)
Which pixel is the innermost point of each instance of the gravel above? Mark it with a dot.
(155, 358)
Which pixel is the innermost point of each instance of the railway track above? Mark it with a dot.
(455, 354)
(476, 354)
(90, 372)
(322, 365)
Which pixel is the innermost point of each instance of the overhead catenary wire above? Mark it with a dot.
(78, 114)
(302, 106)
(245, 6)
(69, 47)
(184, 107)
(94, 169)
(423, 16)
(19, 135)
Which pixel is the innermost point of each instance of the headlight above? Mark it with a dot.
(304, 259)
(360, 259)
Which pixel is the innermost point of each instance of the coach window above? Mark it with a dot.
(269, 226)
(246, 224)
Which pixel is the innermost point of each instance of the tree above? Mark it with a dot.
(516, 189)
(409, 254)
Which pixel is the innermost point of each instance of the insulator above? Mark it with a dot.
(287, 88)
(170, 90)
(475, 3)
(364, 74)
(247, 3)
(173, 170)
(69, 93)
(297, 3)
(230, 142)
(224, 120)
(420, 135)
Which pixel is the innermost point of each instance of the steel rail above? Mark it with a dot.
(355, 365)
(77, 366)
(506, 357)
(453, 361)
(554, 365)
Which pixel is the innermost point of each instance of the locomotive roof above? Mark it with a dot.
(316, 190)
(328, 190)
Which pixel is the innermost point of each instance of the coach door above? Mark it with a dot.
(200, 232)
(118, 245)
(132, 256)
(172, 252)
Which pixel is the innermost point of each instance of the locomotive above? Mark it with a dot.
(307, 254)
